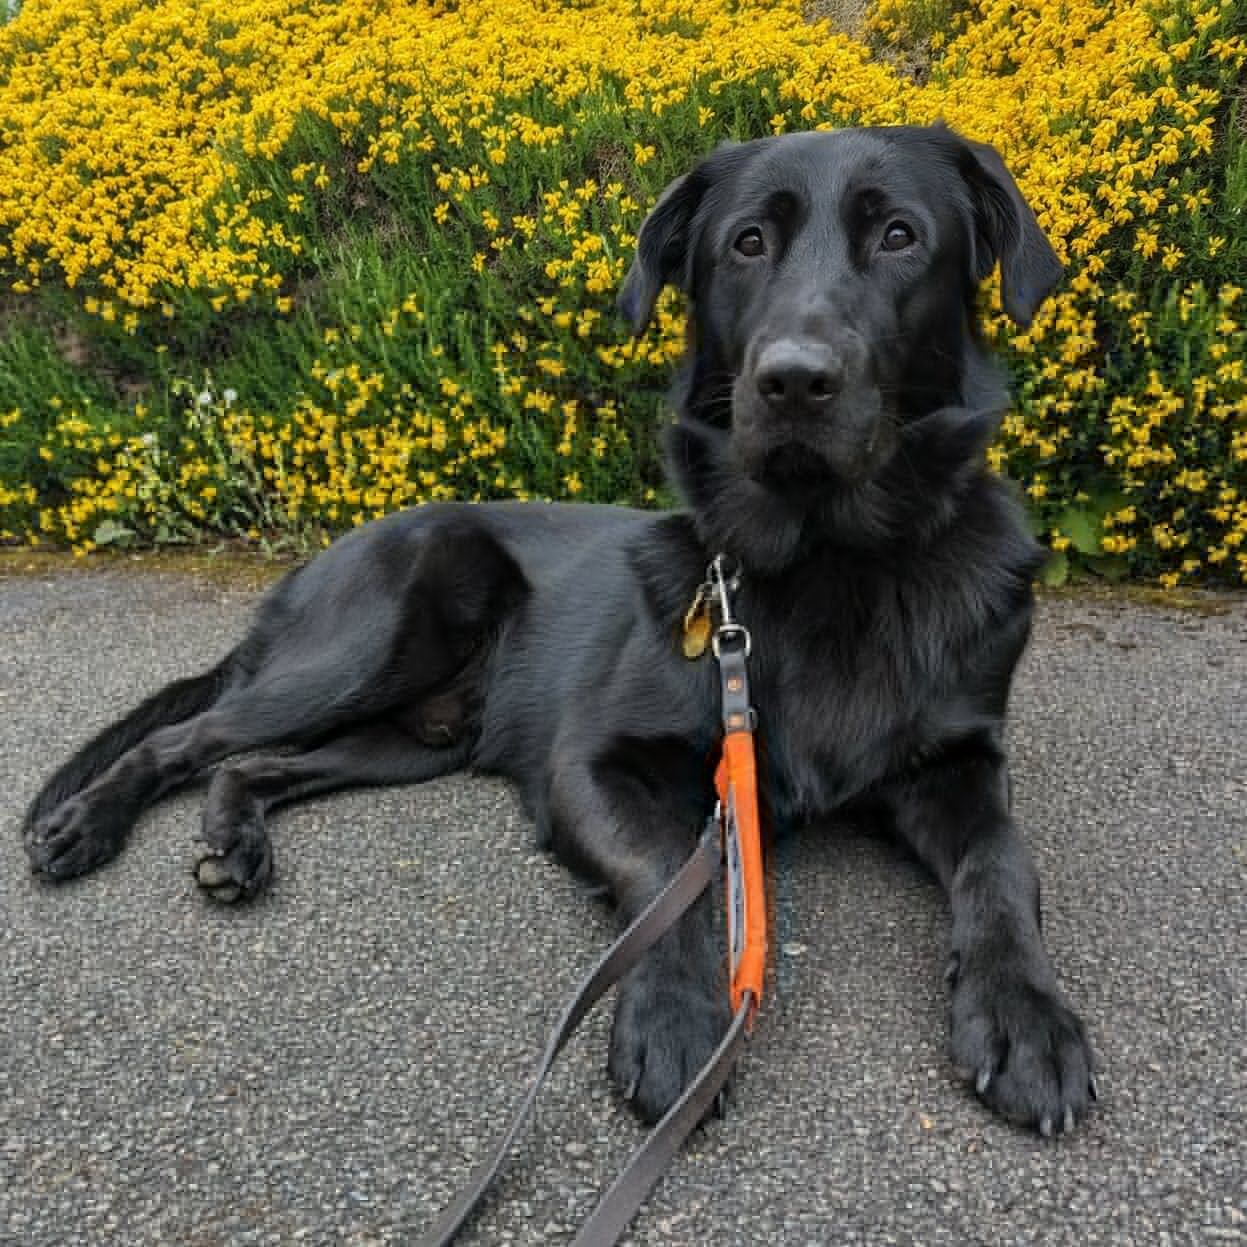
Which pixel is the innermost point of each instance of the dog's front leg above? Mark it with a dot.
(1012, 1031)
(631, 830)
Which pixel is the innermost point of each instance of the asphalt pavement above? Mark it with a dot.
(322, 1066)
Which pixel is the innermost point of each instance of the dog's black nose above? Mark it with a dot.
(795, 376)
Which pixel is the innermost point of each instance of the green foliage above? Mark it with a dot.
(315, 295)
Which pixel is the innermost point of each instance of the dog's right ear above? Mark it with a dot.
(668, 238)
(662, 249)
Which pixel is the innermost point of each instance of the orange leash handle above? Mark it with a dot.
(737, 783)
(745, 876)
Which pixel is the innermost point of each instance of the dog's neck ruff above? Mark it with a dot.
(906, 504)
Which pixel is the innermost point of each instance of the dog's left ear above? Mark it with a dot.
(1006, 230)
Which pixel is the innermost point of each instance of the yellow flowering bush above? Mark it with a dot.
(275, 267)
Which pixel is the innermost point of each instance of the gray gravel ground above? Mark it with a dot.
(321, 1066)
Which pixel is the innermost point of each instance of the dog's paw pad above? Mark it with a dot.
(235, 858)
(233, 867)
(213, 875)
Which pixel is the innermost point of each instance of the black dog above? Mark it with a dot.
(833, 412)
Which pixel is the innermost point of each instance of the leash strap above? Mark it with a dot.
(653, 922)
(650, 1160)
(732, 833)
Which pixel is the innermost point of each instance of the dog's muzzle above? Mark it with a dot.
(807, 413)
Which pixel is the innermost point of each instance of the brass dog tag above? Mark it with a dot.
(696, 638)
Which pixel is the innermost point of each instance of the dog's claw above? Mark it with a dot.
(983, 1081)
(1067, 1124)
(1093, 1087)
(632, 1088)
(1045, 1126)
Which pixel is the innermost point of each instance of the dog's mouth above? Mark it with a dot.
(805, 450)
(798, 466)
(792, 464)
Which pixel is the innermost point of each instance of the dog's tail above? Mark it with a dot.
(172, 704)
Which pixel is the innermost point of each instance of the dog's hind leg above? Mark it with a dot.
(174, 703)
(237, 860)
(90, 827)
(391, 622)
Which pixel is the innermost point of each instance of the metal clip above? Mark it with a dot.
(723, 584)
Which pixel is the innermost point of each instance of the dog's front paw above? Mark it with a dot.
(1025, 1051)
(664, 1032)
(76, 837)
(235, 857)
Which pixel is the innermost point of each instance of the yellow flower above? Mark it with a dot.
(126, 186)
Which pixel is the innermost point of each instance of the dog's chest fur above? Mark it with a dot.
(866, 663)
(863, 670)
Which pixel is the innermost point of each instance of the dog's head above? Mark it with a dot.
(833, 279)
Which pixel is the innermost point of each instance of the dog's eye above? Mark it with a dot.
(897, 237)
(749, 242)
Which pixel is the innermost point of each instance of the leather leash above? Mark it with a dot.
(732, 833)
